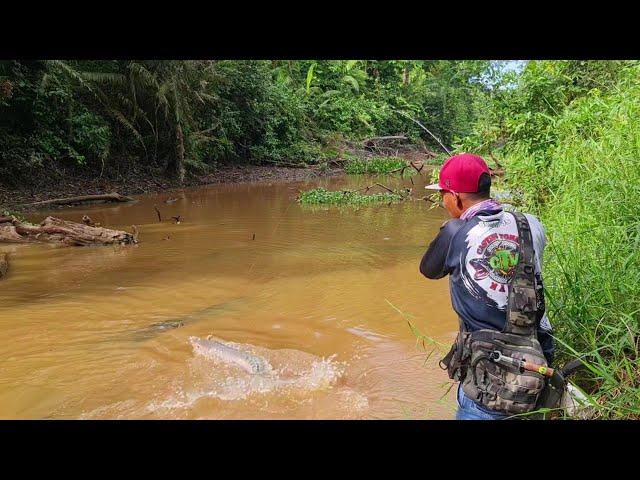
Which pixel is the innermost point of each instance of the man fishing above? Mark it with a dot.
(484, 250)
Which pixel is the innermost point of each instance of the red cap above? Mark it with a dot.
(461, 173)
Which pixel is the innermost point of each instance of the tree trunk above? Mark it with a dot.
(405, 76)
(175, 167)
(55, 230)
(180, 145)
(108, 197)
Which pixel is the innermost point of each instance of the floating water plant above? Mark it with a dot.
(320, 196)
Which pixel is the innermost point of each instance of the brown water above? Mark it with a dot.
(103, 332)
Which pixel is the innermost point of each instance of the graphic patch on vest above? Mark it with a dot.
(498, 259)
(491, 260)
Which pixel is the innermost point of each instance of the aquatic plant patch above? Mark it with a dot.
(320, 196)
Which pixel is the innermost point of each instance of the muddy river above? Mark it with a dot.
(323, 294)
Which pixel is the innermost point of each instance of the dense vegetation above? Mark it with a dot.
(569, 135)
(182, 116)
(374, 165)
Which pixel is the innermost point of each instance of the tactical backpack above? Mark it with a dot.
(506, 371)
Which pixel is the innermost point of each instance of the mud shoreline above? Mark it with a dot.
(137, 182)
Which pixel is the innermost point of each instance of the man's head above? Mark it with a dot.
(464, 181)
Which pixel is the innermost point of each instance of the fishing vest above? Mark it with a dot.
(506, 371)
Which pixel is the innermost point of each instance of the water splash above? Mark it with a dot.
(291, 375)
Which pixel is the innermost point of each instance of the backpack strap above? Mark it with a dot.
(522, 304)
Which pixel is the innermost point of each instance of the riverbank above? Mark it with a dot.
(142, 181)
(139, 180)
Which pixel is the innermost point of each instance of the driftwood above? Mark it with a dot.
(385, 139)
(107, 197)
(55, 230)
(4, 264)
(386, 188)
(86, 219)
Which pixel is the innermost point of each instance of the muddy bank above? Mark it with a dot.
(136, 179)
(141, 181)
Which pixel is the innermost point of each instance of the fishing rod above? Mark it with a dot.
(424, 128)
(437, 204)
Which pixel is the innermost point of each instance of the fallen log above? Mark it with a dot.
(107, 197)
(55, 230)
(385, 139)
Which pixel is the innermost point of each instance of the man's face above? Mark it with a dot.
(451, 202)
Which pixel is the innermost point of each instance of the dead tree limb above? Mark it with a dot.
(495, 160)
(496, 172)
(386, 188)
(416, 168)
(55, 230)
(424, 128)
(433, 201)
(107, 197)
(399, 170)
(386, 138)
(158, 212)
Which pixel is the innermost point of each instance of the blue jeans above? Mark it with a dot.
(470, 410)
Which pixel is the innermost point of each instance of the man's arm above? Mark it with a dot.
(433, 264)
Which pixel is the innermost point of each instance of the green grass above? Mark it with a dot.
(373, 165)
(320, 196)
(588, 198)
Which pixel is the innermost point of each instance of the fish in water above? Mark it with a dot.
(212, 348)
(205, 313)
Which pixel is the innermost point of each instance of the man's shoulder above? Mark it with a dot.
(451, 227)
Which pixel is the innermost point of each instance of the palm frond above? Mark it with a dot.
(352, 81)
(143, 75)
(309, 78)
(103, 77)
